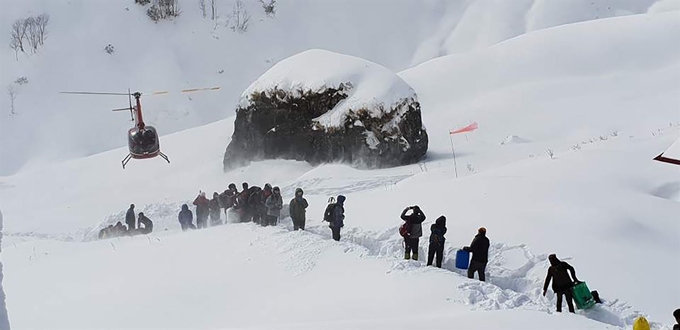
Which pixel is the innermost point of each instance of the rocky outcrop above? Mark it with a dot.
(322, 123)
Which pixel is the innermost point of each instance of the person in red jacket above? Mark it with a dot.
(202, 210)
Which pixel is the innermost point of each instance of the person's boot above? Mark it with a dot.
(415, 256)
(407, 255)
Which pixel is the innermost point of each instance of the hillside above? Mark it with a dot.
(601, 95)
(191, 51)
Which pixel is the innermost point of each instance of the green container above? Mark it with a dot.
(582, 296)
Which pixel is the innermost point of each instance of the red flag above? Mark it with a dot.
(468, 128)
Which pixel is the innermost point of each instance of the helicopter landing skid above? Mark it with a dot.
(164, 157)
(126, 160)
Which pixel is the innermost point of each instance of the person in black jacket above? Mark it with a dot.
(480, 254)
(186, 218)
(130, 217)
(414, 220)
(146, 222)
(438, 229)
(337, 220)
(676, 314)
(561, 282)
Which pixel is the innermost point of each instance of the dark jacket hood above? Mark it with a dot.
(341, 199)
(185, 207)
(299, 190)
(441, 221)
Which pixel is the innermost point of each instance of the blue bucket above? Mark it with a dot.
(462, 259)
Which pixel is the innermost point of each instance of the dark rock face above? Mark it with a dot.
(278, 125)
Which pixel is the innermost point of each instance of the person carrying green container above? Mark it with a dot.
(561, 282)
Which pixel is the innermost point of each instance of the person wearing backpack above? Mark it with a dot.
(256, 205)
(561, 282)
(480, 254)
(414, 230)
(438, 229)
(335, 215)
(274, 204)
(241, 204)
(298, 209)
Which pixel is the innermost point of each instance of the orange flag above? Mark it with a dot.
(468, 128)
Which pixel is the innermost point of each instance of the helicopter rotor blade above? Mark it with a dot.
(122, 109)
(93, 93)
(191, 90)
(132, 117)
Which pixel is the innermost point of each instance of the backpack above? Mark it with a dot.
(329, 213)
(405, 230)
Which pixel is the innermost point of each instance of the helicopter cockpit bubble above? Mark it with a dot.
(143, 142)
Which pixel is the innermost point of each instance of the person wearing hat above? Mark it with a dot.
(480, 254)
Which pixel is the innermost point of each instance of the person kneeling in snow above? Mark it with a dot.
(146, 222)
(561, 282)
(438, 229)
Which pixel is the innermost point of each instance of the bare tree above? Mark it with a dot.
(41, 22)
(18, 34)
(241, 17)
(163, 9)
(201, 6)
(29, 33)
(12, 93)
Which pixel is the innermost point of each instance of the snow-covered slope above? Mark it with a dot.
(601, 95)
(192, 51)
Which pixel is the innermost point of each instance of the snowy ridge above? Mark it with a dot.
(369, 86)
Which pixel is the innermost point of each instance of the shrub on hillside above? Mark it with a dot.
(163, 9)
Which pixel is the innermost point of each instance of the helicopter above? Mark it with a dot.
(143, 141)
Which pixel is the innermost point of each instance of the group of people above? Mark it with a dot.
(252, 204)
(411, 230)
(139, 225)
(263, 206)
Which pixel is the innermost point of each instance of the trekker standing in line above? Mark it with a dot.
(480, 254)
(130, 217)
(274, 204)
(561, 282)
(146, 222)
(214, 207)
(338, 217)
(202, 210)
(297, 208)
(241, 204)
(438, 229)
(186, 218)
(676, 314)
(414, 222)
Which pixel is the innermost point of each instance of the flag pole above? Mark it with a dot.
(453, 151)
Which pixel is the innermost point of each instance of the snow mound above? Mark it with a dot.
(370, 86)
(514, 139)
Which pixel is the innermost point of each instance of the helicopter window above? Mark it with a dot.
(144, 141)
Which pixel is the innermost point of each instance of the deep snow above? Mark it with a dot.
(601, 95)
